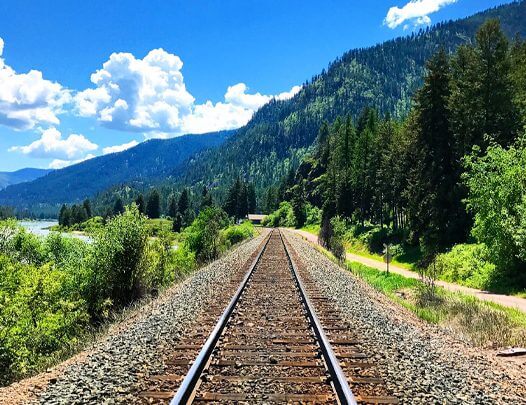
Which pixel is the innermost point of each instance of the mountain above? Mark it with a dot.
(145, 162)
(384, 76)
(21, 176)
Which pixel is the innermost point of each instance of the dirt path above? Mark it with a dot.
(505, 300)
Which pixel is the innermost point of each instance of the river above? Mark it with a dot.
(41, 228)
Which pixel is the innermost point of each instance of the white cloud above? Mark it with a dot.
(119, 148)
(52, 145)
(149, 95)
(60, 164)
(27, 99)
(416, 11)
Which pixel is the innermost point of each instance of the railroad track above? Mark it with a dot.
(278, 341)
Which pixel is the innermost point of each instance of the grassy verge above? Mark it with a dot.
(479, 322)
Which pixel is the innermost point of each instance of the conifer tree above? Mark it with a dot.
(153, 206)
(172, 207)
(141, 205)
(118, 207)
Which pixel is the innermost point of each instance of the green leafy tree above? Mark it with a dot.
(202, 237)
(496, 197)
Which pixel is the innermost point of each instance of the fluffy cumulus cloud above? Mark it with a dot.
(27, 99)
(119, 148)
(415, 11)
(149, 95)
(51, 145)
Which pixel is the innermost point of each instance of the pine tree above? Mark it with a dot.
(184, 202)
(118, 208)
(252, 204)
(153, 206)
(206, 199)
(64, 216)
(433, 177)
(177, 224)
(172, 207)
(494, 64)
(231, 203)
(242, 201)
(87, 208)
(141, 205)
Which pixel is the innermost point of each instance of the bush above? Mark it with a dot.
(313, 215)
(203, 236)
(283, 216)
(237, 233)
(467, 264)
(119, 261)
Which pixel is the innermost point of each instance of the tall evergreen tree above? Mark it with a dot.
(433, 177)
(184, 202)
(153, 205)
(231, 203)
(242, 201)
(87, 208)
(206, 198)
(251, 198)
(141, 205)
(172, 207)
(118, 207)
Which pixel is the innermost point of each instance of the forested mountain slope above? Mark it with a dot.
(148, 160)
(21, 176)
(384, 76)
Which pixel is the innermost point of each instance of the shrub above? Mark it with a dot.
(203, 236)
(313, 215)
(118, 263)
(283, 216)
(467, 264)
(237, 233)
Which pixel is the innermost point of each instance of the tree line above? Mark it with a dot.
(414, 176)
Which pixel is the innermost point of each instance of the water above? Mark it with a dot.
(41, 228)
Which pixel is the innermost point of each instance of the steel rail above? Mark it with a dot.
(339, 380)
(189, 384)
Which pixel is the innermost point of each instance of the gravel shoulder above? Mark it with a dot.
(109, 370)
(420, 363)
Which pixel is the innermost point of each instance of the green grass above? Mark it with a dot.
(483, 323)
(313, 228)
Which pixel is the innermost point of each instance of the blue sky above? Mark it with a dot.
(79, 79)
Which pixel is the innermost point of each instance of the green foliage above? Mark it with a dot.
(497, 197)
(119, 260)
(283, 216)
(202, 237)
(153, 205)
(55, 290)
(237, 233)
(468, 265)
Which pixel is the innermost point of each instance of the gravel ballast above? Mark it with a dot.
(132, 350)
(420, 363)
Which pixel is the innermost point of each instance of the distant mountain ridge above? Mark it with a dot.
(145, 162)
(21, 176)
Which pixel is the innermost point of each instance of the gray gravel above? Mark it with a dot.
(115, 364)
(420, 363)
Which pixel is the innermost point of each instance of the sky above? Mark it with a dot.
(80, 79)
